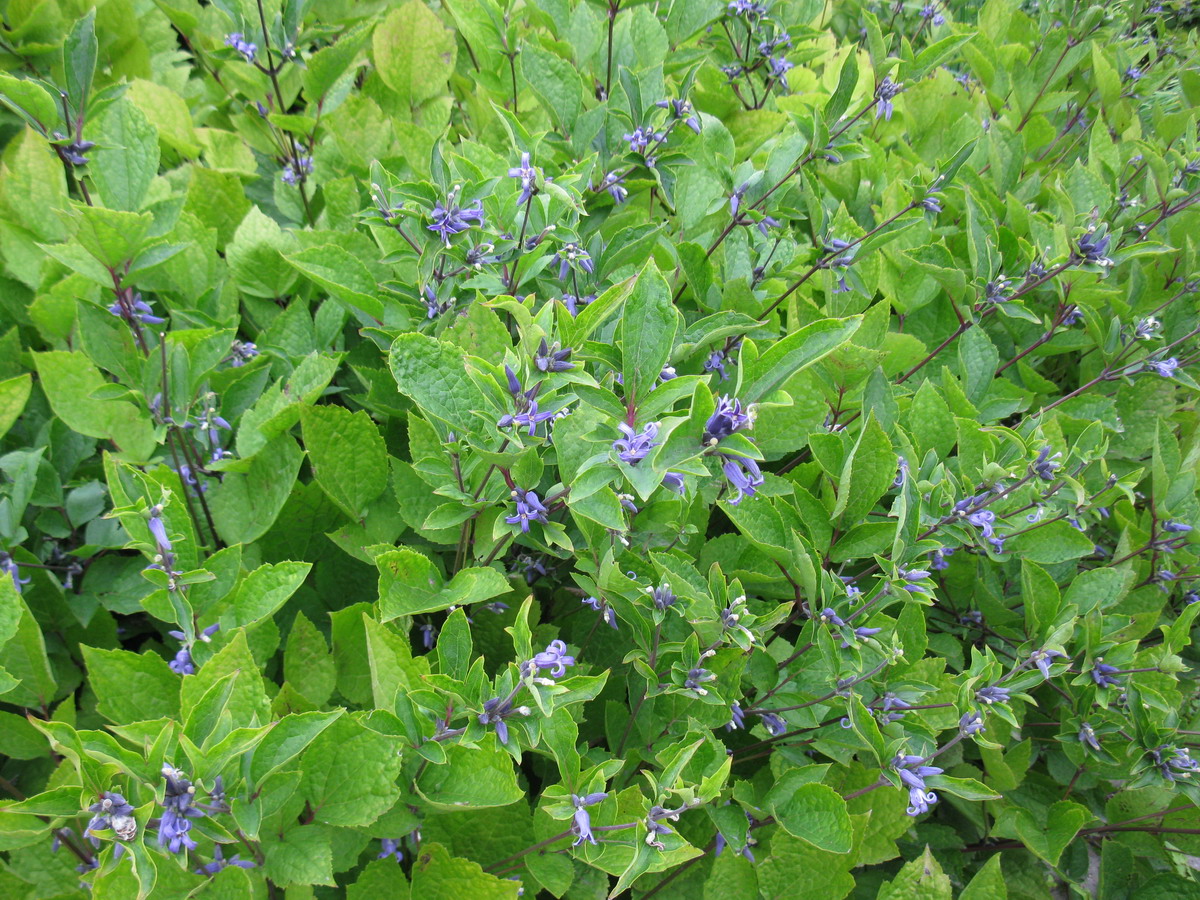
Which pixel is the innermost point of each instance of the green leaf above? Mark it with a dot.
(30, 101)
(14, 394)
(434, 374)
(1047, 838)
(471, 777)
(1054, 542)
(246, 505)
(79, 61)
(867, 473)
(813, 812)
(287, 740)
(454, 645)
(247, 705)
(436, 875)
(69, 380)
(132, 687)
(795, 868)
(556, 83)
(256, 256)
(23, 654)
(350, 774)
(793, 353)
(414, 53)
(347, 456)
(648, 324)
(266, 589)
(920, 879)
(60, 801)
(307, 663)
(125, 160)
(343, 275)
(302, 855)
(988, 883)
(847, 81)
(1041, 597)
(328, 64)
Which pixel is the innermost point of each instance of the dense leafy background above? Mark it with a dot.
(288, 291)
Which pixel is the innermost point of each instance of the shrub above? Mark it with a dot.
(598, 449)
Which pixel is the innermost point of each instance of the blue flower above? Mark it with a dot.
(1087, 736)
(158, 531)
(681, 109)
(138, 309)
(779, 67)
(1043, 659)
(9, 565)
(737, 718)
(635, 445)
(1178, 764)
(1045, 464)
(496, 710)
(581, 827)
(662, 596)
(529, 509)
(1092, 247)
(862, 633)
(612, 184)
(606, 612)
(932, 203)
(726, 419)
(641, 138)
(744, 476)
(574, 304)
(697, 677)
(716, 363)
(1164, 367)
(983, 520)
(919, 801)
(552, 359)
(555, 658)
(528, 179)
(774, 724)
(673, 481)
(175, 824)
(240, 353)
(238, 43)
(884, 94)
(1176, 527)
(449, 218)
(297, 170)
(573, 256)
(939, 562)
(390, 847)
(220, 862)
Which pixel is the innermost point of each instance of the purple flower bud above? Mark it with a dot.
(673, 481)
(1102, 675)
(829, 617)
(992, 694)
(1087, 736)
(971, 723)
